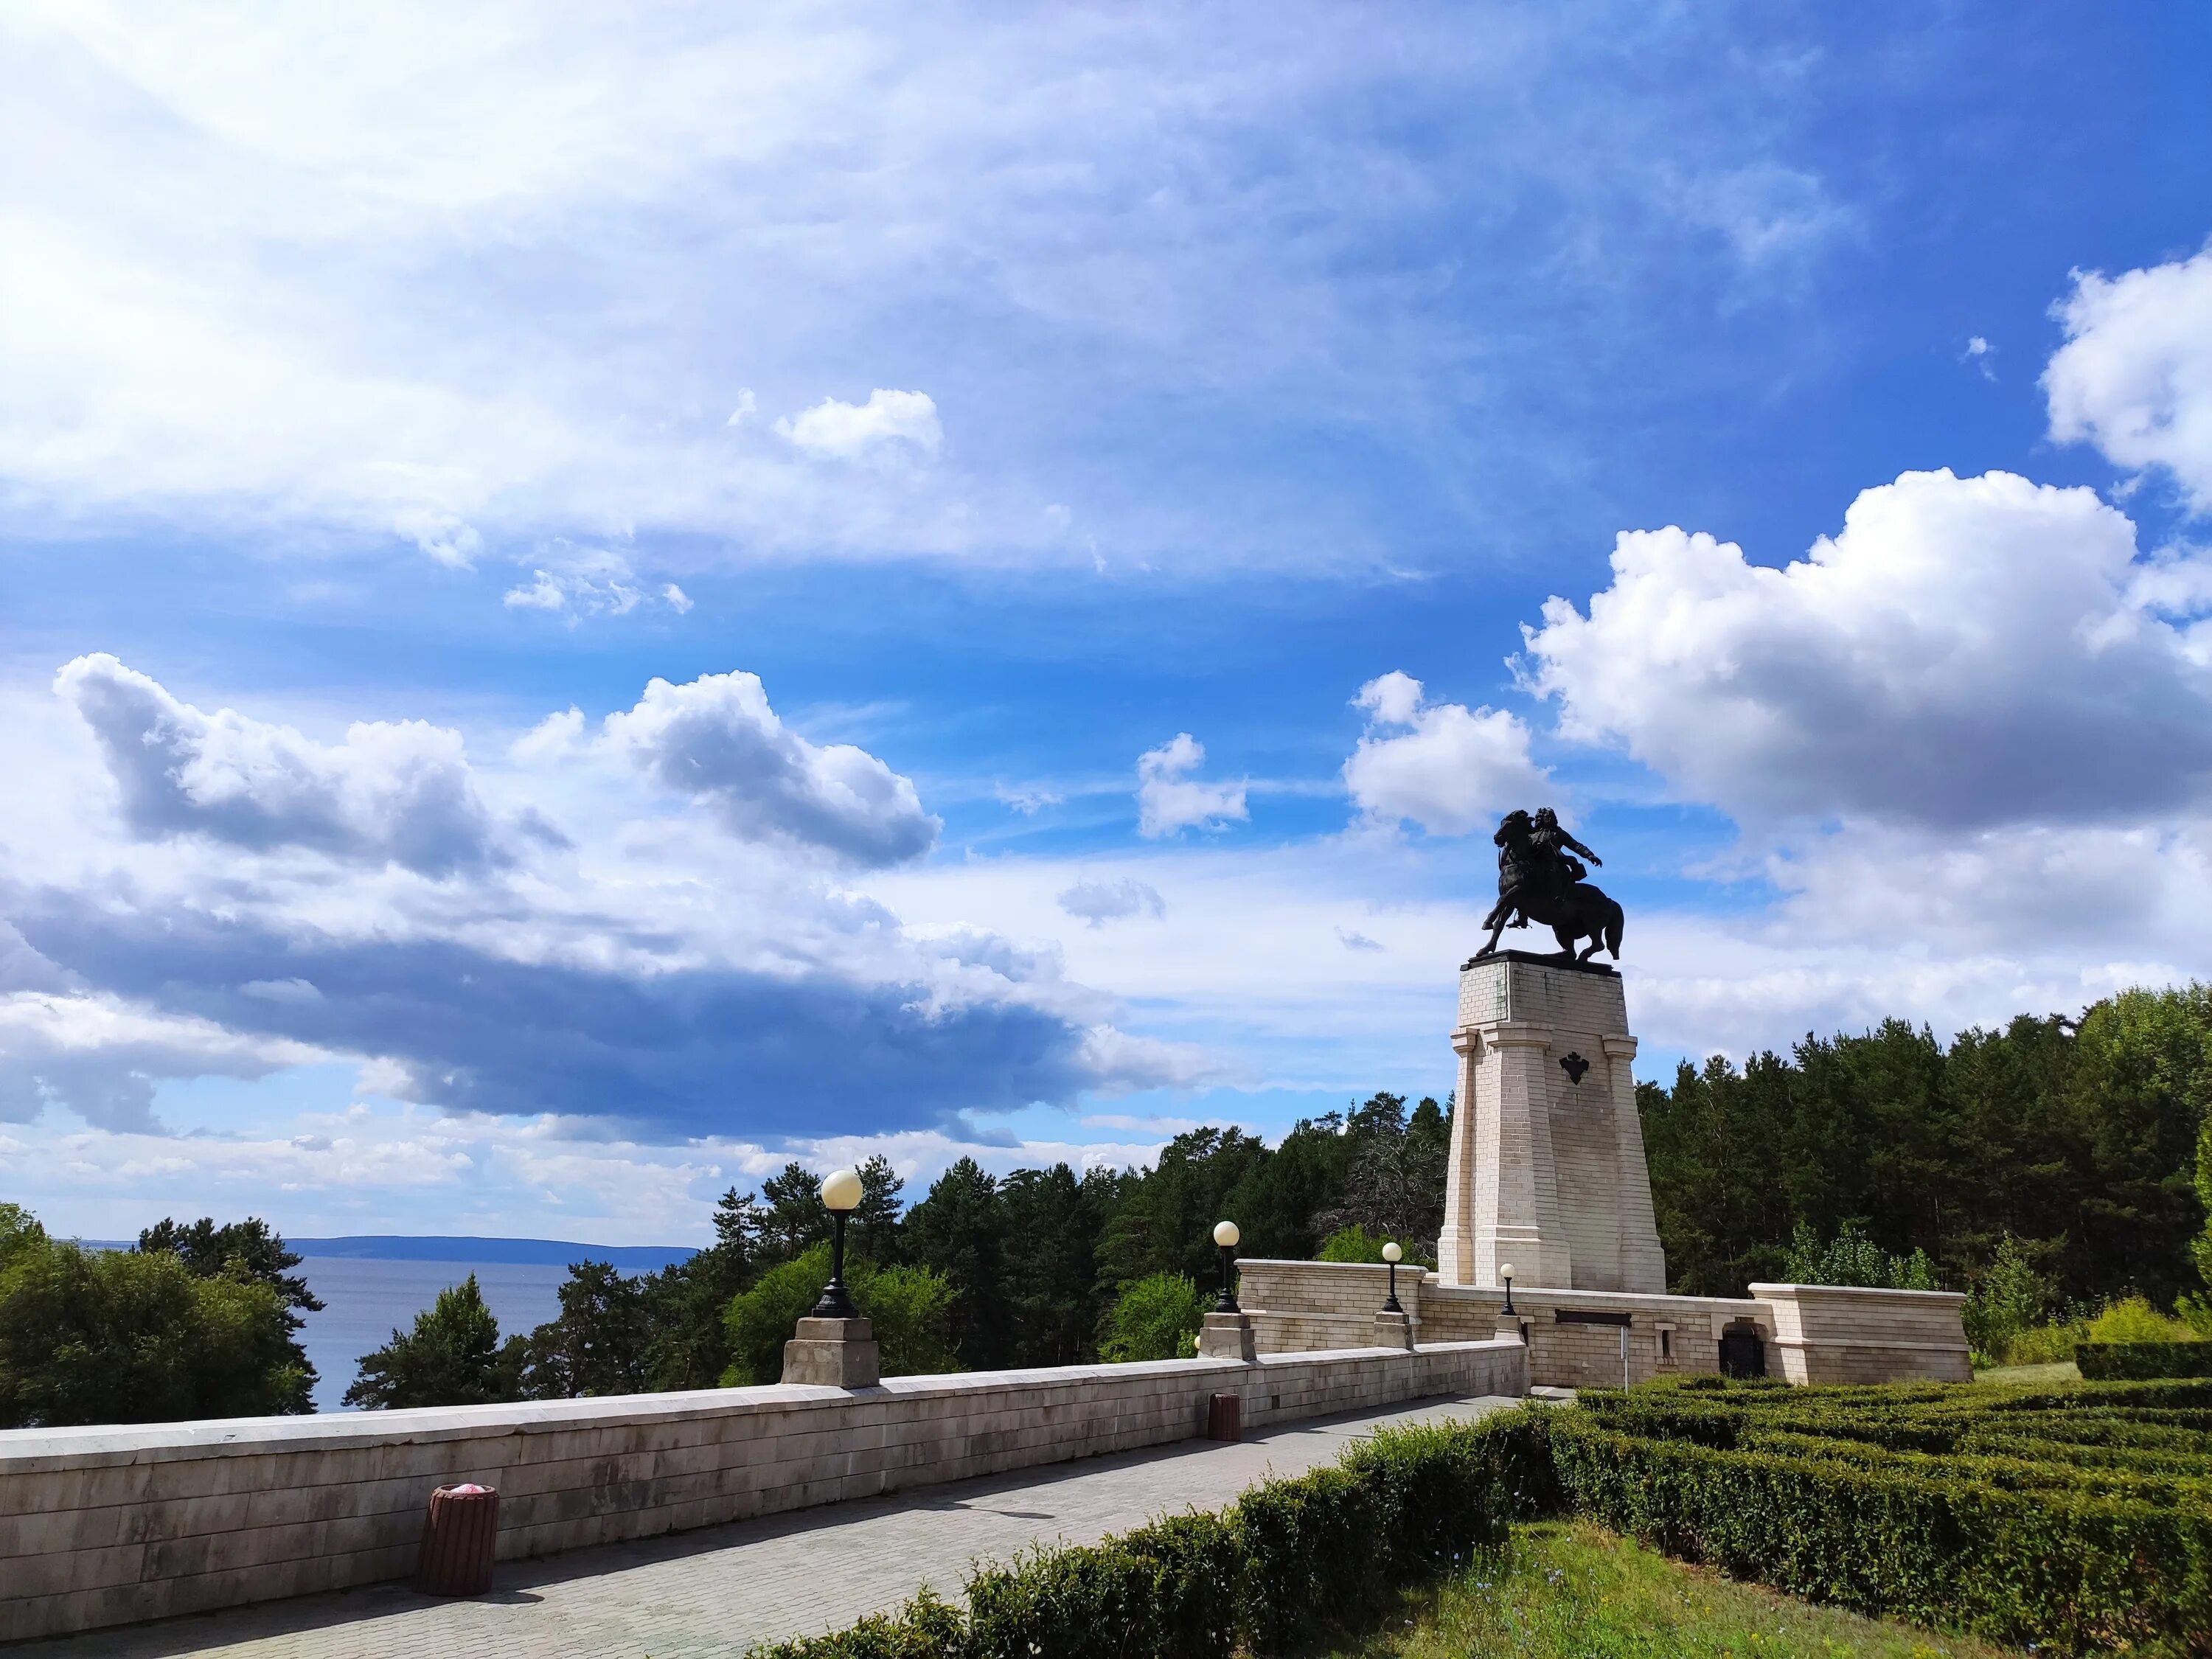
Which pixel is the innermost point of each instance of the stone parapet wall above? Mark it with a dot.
(1841, 1334)
(108, 1525)
(1811, 1333)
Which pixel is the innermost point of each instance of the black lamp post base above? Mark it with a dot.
(833, 1302)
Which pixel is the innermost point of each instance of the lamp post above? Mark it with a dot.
(1505, 1272)
(841, 1196)
(1225, 1235)
(1393, 1255)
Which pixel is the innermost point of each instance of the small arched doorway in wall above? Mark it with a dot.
(1743, 1352)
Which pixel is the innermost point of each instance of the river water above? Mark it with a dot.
(364, 1300)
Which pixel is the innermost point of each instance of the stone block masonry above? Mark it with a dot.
(1809, 1333)
(1546, 1164)
(101, 1527)
(1841, 1334)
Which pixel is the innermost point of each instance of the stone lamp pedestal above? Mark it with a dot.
(1394, 1330)
(1227, 1336)
(836, 1353)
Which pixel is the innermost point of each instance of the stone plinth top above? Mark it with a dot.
(1537, 994)
(1866, 1292)
(1543, 959)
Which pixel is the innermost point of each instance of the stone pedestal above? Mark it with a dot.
(838, 1353)
(1227, 1336)
(1547, 1166)
(1510, 1325)
(1394, 1330)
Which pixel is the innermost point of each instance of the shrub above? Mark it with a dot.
(910, 1310)
(1352, 1243)
(2080, 1570)
(926, 1628)
(2010, 1297)
(2134, 1319)
(1964, 1507)
(2047, 1344)
(1165, 1589)
(1852, 1258)
(1448, 1489)
(1157, 1317)
(1314, 1554)
(2103, 1360)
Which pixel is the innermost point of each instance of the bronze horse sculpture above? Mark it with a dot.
(1540, 880)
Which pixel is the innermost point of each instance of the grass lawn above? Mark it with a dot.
(1571, 1590)
(2063, 1371)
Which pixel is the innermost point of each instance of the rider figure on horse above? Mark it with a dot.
(1535, 860)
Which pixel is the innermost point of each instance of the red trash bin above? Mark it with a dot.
(1224, 1417)
(459, 1540)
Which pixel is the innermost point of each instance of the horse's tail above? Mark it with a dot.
(1613, 926)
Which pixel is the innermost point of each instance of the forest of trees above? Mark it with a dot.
(2077, 1140)
(2054, 1165)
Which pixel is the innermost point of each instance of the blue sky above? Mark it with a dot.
(593, 606)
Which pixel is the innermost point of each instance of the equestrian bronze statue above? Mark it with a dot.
(1541, 879)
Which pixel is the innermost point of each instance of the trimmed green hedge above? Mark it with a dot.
(2031, 1516)
(1166, 1588)
(2102, 1360)
(2078, 1569)
(1290, 1560)
(2077, 1517)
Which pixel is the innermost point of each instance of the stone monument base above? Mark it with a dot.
(836, 1353)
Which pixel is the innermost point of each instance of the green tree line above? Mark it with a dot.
(984, 1272)
(2075, 1153)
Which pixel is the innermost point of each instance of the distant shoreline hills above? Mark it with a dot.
(469, 1252)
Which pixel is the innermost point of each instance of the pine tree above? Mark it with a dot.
(957, 1231)
(250, 1250)
(873, 1230)
(452, 1357)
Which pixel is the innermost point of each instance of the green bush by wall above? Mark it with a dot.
(2101, 1361)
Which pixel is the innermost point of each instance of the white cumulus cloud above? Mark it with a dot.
(395, 793)
(1168, 799)
(1445, 767)
(1965, 652)
(2135, 376)
(848, 431)
(717, 740)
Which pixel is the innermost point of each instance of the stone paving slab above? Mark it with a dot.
(719, 1589)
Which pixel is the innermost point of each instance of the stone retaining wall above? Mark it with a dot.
(1840, 1333)
(1812, 1332)
(111, 1526)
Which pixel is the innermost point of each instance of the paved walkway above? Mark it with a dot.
(717, 1591)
